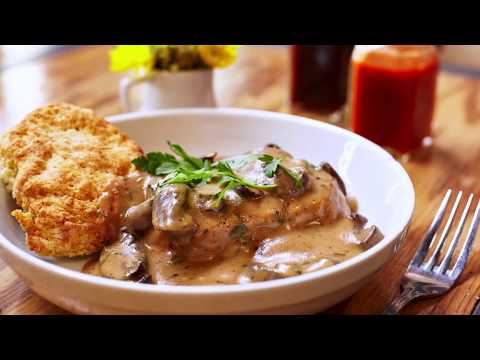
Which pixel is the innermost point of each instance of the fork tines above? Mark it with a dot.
(443, 268)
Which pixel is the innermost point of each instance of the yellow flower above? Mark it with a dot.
(132, 57)
(218, 55)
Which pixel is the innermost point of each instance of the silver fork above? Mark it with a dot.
(424, 278)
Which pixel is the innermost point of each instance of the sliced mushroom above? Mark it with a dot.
(254, 172)
(122, 259)
(210, 156)
(258, 273)
(366, 237)
(250, 193)
(139, 217)
(286, 187)
(144, 278)
(208, 189)
(169, 210)
(150, 185)
(359, 220)
(330, 170)
(232, 198)
(274, 146)
(369, 237)
(275, 151)
(203, 197)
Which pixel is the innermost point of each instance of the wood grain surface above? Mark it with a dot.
(260, 80)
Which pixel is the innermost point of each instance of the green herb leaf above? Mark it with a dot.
(165, 168)
(225, 179)
(186, 166)
(193, 171)
(141, 163)
(194, 161)
(191, 178)
(207, 164)
(266, 158)
(156, 160)
(296, 178)
(238, 161)
(155, 157)
(256, 186)
(274, 164)
(272, 168)
(231, 186)
(224, 167)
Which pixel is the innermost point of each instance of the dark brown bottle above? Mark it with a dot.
(319, 77)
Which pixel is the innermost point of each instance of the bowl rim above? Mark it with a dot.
(91, 280)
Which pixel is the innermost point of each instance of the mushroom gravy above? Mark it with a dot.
(180, 235)
(282, 255)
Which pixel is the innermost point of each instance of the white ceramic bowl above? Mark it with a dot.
(382, 187)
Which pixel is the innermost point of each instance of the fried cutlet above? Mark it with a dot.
(66, 168)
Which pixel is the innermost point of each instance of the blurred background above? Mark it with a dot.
(33, 75)
(456, 57)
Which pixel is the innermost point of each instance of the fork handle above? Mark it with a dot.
(410, 292)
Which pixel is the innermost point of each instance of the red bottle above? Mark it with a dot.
(393, 90)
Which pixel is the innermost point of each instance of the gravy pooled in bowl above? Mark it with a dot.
(255, 217)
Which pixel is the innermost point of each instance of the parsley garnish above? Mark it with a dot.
(230, 186)
(272, 167)
(296, 178)
(190, 170)
(193, 161)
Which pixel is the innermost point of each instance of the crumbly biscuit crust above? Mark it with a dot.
(65, 168)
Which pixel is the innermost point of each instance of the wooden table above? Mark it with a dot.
(259, 80)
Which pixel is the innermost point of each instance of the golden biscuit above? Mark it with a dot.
(66, 169)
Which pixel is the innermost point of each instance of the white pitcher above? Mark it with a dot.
(166, 89)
